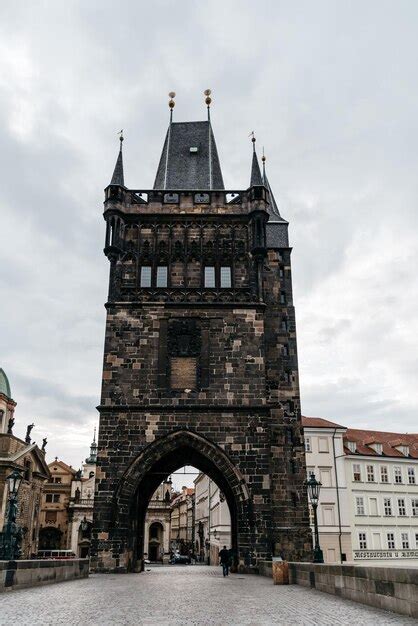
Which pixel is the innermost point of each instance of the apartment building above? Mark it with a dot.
(368, 507)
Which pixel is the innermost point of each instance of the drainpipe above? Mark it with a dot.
(338, 495)
(209, 529)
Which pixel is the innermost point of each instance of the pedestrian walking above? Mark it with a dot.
(225, 560)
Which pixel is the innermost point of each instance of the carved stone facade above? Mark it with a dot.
(157, 525)
(30, 460)
(200, 361)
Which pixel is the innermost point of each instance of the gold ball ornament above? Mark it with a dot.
(171, 102)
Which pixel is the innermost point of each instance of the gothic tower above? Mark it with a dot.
(200, 360)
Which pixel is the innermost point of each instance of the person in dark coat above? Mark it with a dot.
(225, 560)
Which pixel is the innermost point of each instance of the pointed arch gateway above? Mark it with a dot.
(153, 464)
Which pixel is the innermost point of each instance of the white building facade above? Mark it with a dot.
(212, 520)
(324, 446)
(80, 506)
(373, 489)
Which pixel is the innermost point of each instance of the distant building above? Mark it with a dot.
(181, 518)
(80, 506)
(212, 520)
(54, 521)
(157, 525)
(30, 459)
(371, 501)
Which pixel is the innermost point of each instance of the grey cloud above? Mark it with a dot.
(329, 89)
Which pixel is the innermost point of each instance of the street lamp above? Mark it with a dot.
(314, 488)
(13, 480)
(11, 537)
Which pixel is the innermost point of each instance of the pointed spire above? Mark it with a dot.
(255, 167)
(93, 450)
(272, 208)
(117, 178)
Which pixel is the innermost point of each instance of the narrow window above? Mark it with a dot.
(284, 325)
(226, 281)
(352, 446)
(391, 541)
(308, 444)
(416, 540)
(362, 542)
(405, 541)
(356, 473)
(145, 276)
(387, 503)
(323, 444)
(162, 276)
(370, 474)
(414, 503)
(360, 510)
(328, 515)
(373, 506)
(325, 477)
(401, 507)
(411, 475)
(209, 277)
(398, 475)
(384, 474)
(282, 297)
(27, 470)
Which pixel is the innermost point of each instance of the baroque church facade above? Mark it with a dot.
(200, 358)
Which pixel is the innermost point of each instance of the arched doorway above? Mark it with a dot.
(155, 542)
(160, 459)
(50, 538)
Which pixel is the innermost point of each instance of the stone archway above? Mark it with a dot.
(156, 461)
(155, 541)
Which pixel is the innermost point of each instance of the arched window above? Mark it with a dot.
(27, 469)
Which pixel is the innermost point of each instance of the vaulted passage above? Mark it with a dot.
(156, 463)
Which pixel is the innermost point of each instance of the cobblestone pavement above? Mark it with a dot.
(175, 595)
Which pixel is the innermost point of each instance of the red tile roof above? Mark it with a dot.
(319, 422)
(364, 438)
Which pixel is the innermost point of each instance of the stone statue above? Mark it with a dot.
(10, 425)
(28, 432)
(44, 442)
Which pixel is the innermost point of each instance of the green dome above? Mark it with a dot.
(4, 384)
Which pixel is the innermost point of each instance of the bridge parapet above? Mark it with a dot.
(390, 588)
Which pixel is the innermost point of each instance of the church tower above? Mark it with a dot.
(200, 359)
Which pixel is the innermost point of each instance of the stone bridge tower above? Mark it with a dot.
(200, 360)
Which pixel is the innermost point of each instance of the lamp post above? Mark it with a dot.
(314, 488)
(11, 537)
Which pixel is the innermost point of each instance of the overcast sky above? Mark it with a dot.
(330, 88)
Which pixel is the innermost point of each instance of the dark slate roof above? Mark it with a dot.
(255, 171)
(117, 178)
(183, 169)
(277, 227)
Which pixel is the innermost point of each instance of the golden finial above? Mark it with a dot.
(252, 135)
(208, 99)
(171, 102)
